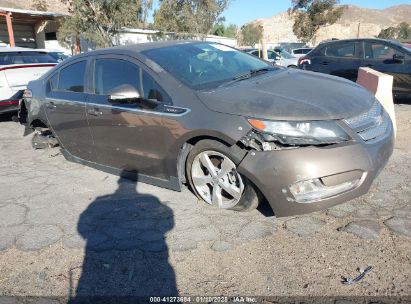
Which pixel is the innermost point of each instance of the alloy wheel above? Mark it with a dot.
(216, 179)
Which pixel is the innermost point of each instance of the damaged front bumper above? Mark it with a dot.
(330, 175)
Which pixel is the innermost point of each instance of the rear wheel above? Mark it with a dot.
(213, 176)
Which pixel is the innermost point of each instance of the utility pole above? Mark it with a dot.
(358, 31)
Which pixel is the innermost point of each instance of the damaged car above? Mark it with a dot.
(235, 128)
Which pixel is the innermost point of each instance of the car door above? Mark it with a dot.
(389, 59)
(65, 108)
(126, 136)
(338, 59)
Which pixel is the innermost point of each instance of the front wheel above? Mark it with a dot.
(214, 178)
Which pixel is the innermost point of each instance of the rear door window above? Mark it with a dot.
(72, 77)
(346, 50)
(111, 73)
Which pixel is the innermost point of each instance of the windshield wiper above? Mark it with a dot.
(251, 73)
(247, 75)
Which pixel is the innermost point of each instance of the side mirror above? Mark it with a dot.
(277, 58)
(124, 93)
(398, 57)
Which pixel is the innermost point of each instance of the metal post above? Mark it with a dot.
(10, 29)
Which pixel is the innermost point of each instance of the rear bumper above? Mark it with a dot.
(273, 172)
(9, 105)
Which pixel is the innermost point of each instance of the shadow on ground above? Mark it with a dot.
(126, 254)
(6, 117)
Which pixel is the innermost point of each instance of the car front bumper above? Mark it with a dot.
(273, 172)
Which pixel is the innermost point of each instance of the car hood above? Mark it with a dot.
(290, 95)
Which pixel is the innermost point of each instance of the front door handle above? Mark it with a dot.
(51, 105)
(325, 63)
(95, 112)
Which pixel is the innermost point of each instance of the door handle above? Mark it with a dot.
(95, 112)
(51, 105)
(325, 63)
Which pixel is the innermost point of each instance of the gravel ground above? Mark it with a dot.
(69, 230)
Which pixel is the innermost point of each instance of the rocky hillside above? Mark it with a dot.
(355, 21)
(56, 6)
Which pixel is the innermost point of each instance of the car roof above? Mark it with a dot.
(141, 47)
(354, 40)
(7, 49)
(49, 50)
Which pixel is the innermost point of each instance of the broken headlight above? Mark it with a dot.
(300, 132)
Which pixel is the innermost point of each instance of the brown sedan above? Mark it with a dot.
(235, 128)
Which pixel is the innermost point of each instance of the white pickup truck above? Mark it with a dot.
(18, 66)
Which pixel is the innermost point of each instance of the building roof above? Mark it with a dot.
(30, 12)
(30, 16)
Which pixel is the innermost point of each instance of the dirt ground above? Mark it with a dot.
(71, 231)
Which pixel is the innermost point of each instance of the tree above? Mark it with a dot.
(97, 21)
(189, 16)
(404, 31)
(400, 32)
(311, 15)
(39, 5)
(223, 31)
(231, 31)
(388, 33)
(251, 34)
(147, 6)
(218, 30)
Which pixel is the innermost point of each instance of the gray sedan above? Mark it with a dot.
(236, 129)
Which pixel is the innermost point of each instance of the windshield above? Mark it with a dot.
(59, 56)
(286, 55)
(7, 58)
(403, 47)
(205, 65)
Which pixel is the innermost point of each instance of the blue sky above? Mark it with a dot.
(242, 11)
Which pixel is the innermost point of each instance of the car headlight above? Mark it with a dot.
(301, 132)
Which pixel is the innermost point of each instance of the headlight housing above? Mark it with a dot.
(300, 132)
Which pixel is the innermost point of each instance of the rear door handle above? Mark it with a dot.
(51, 105)
(95, 112)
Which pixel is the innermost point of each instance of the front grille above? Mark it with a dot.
(372, 124)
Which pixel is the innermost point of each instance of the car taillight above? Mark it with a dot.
(27, 93)
(304, 60)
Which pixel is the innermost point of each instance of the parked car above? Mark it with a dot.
(272, 56)
(300, 52)
(344, 57)
(17, 67)
(232, 126)
(56, 54)
(285, 60)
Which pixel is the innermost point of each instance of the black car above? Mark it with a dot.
(344, 57)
